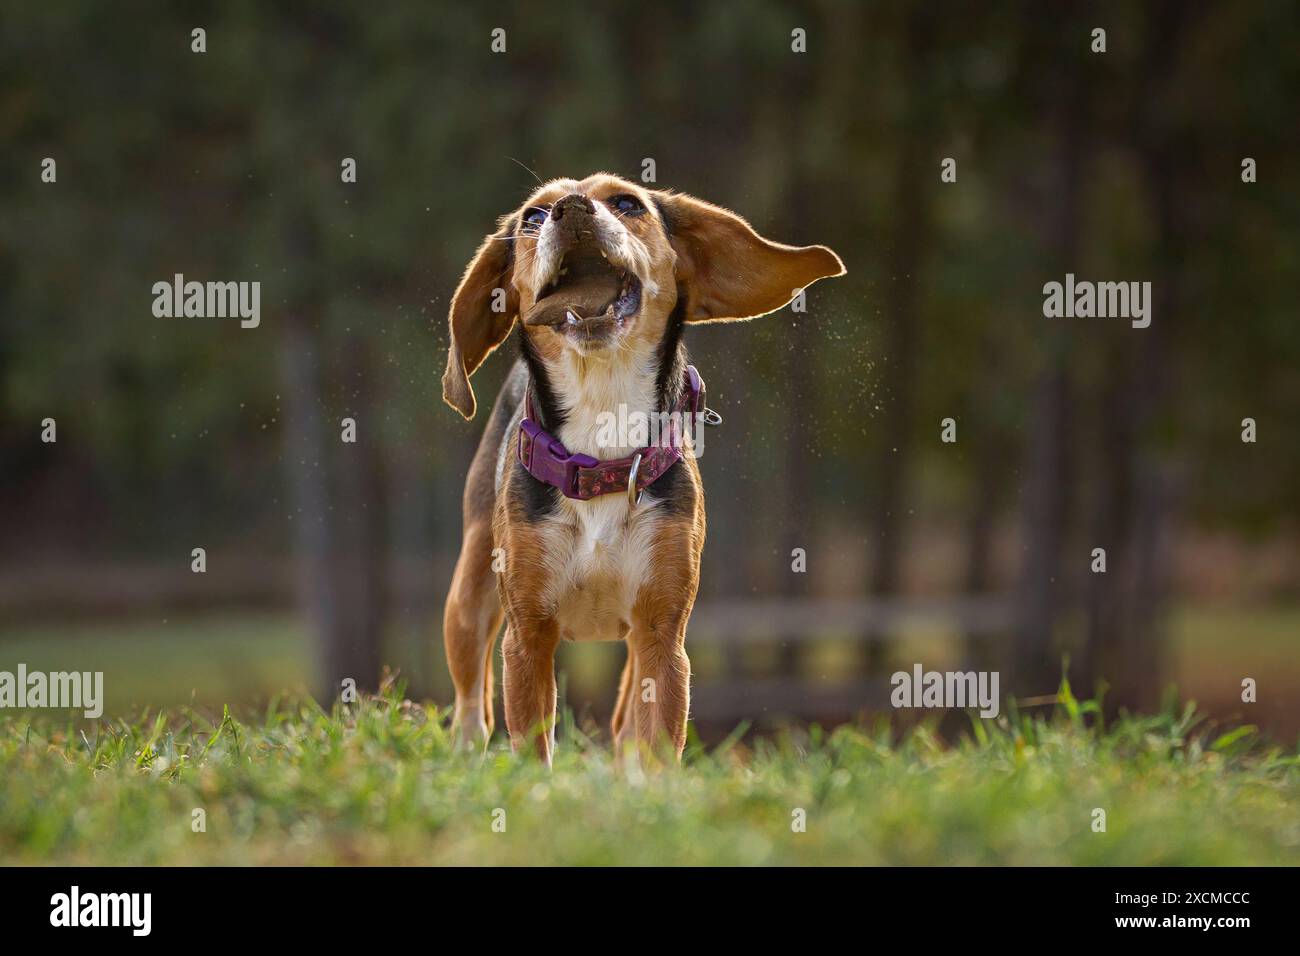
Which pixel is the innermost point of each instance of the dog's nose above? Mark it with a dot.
(574, 204)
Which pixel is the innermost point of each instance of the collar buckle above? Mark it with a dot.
(548, 460)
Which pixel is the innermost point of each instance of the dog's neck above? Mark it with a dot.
(574, 396)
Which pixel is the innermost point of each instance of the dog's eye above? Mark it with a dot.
(533, 218)
(626, 204)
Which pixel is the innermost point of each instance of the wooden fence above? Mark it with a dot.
(734, 625)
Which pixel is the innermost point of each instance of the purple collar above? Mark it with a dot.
(583, 477)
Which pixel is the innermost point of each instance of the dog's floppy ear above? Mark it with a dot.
(475, 327)
(729, 271)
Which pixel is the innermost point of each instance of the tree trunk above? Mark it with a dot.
(360, 543)
(1125, 628)
(902, 316)
(1036, 666)
(305, 462)
(338, 525)
(1109, 523)
(989, 456)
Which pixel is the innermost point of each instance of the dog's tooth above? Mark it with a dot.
(570, 318)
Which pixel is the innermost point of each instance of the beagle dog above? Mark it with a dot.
(574, 529)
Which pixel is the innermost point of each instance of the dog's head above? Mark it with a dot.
(596, 267)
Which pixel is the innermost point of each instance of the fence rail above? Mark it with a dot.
(753, 621)
(724, 699)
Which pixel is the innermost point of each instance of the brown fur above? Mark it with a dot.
(677, 246)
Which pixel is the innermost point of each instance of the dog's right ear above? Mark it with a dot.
(730, 272)
(483, 311)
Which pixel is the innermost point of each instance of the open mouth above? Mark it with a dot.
(589, 295)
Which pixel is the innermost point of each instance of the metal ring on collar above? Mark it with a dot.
(633, 493)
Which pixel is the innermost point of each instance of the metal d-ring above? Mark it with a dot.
(633, 494)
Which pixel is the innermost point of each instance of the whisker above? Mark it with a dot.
(526, 169)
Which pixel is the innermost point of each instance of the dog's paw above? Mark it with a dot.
(470, 733)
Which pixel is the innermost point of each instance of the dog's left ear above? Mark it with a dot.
(475, 326)
(728, 271)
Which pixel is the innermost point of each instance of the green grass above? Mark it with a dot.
(380, 783)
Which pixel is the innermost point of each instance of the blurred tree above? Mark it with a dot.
(913, 183)
(1048, 477)
(225, 165)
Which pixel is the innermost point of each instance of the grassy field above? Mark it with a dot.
(379, 783)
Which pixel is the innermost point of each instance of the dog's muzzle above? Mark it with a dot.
(589, 295)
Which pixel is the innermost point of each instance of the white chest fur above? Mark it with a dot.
(599, 550)
(592, 391)
(600, 557)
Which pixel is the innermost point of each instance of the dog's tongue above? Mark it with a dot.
(586, 296)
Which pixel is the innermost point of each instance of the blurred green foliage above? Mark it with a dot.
(225, 165)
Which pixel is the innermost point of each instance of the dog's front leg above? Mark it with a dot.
(528, 679)
(623, 724)
(661, 688)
